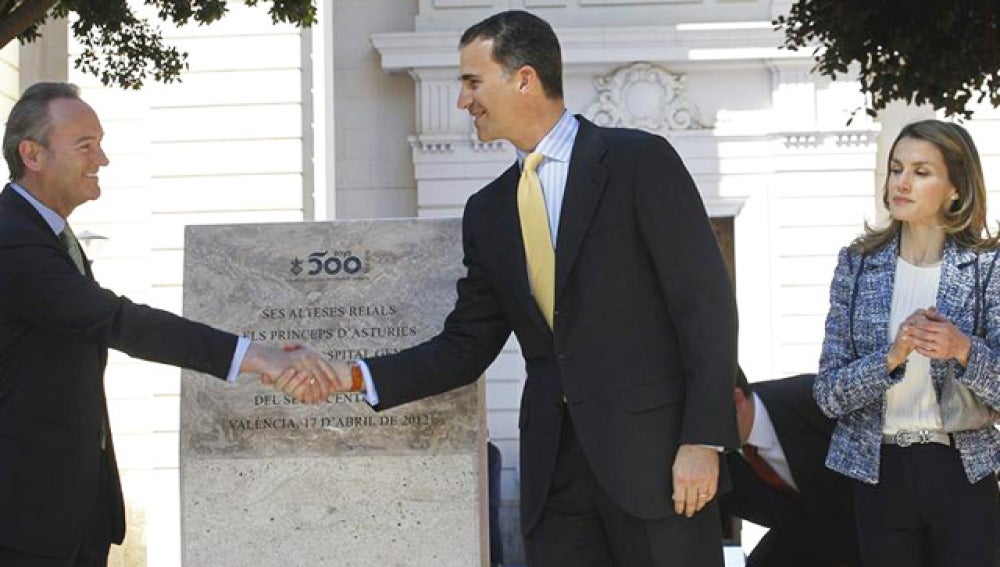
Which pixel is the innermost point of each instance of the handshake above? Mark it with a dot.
(300, 371)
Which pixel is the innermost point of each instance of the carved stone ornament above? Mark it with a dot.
(644, 96)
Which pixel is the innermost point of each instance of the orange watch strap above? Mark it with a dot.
(357, 378)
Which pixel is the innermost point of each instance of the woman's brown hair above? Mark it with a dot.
(965, 220)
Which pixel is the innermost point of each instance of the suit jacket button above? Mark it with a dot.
(561, 356)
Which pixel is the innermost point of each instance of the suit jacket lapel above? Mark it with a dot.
(585, 184)
(881, 269)
(958, 281)
(10, 197)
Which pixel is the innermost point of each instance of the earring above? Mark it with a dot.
(954, 196)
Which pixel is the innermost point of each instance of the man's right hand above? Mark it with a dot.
(299, 384)
(295, 369)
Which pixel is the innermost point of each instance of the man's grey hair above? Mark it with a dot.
(29, 120)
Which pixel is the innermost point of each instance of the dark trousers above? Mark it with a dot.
(495, 464)
(95, 541)
(789, 546)
(924, 512)
(582, 527)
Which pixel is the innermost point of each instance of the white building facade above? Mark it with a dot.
(356, 118)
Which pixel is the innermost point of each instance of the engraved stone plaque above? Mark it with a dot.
(268, 481)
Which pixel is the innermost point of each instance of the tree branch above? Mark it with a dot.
(6, 6)
(23, 16)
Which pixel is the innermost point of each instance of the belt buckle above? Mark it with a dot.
(906, 438)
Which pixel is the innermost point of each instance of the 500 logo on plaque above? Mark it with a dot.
(338, 263)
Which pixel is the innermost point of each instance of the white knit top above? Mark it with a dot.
(912, 405)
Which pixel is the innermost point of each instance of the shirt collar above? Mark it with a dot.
(52, 218)
(762, 433)
(554, 144)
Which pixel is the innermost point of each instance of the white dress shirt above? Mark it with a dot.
(765, 438)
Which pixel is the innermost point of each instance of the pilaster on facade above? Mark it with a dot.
(793, 88)
(437, 90)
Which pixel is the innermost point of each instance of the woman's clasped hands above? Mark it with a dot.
(931, 334)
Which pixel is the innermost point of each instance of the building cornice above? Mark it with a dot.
(682, 43)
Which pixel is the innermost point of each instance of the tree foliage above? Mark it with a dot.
(123, 48)
(944, 53)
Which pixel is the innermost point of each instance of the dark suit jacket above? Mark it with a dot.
(56, 326)
(818, 528)
(644, 341)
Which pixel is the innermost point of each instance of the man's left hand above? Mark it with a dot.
(696, 478)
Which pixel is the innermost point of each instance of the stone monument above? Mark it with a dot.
(267, 481)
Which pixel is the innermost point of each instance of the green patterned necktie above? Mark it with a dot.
(72, 246)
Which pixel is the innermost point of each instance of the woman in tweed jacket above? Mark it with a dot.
(904, 305)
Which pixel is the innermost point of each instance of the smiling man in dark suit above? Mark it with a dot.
(780, 480)
(61, 503)
(595, 250)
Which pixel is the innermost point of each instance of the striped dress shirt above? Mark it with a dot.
(557, 147)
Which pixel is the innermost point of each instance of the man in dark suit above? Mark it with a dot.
(60, 498)
(622, 308)
(807, 506)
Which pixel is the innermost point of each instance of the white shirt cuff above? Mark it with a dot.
(371, 396)
(242, 346)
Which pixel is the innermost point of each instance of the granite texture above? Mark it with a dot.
(389, 511)
(267, 481)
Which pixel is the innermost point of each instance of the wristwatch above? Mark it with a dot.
(357, 378)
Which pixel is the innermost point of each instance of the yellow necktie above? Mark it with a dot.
(538, 250)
